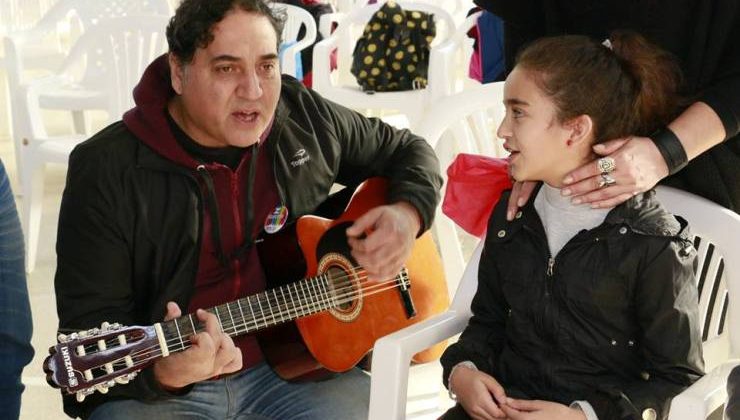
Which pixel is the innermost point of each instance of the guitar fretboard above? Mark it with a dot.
(269, 308)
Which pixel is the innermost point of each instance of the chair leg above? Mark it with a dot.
(33, 197)
(81, 122)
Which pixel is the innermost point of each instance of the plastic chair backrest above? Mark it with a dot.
(464, 122)
(717, 231)
(295, 19)
(113, 56)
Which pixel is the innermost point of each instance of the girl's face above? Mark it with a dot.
(542, 148)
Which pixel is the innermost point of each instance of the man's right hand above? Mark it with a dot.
(479, 393)
(212, 353)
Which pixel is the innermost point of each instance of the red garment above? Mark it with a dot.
(474, 186)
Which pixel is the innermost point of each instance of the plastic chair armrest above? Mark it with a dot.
(703, 397)
(392, 356)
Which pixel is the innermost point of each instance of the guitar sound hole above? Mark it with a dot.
(342, 288)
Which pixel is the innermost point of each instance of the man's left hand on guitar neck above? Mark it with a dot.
(391, 231)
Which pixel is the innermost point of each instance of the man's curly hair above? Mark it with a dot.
(192, 26)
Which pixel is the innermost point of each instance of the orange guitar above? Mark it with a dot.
(320, 314)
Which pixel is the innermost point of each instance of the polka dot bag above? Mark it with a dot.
(393, 52)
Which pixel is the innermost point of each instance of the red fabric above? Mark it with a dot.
(474, 186)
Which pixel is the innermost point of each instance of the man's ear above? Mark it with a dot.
(177, 71)
(581, 129)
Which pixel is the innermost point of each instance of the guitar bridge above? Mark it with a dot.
(404, 286)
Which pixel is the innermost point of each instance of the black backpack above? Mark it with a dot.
(393, 52)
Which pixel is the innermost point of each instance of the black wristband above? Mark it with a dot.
(671, 149)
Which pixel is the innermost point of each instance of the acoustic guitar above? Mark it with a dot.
(319, 315)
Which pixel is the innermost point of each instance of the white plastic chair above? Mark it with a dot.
(718, 230)
(718, 278)
(295, 18)
(460, 50)
(42, 48)
(341, 87)
(461, 123)
(120, 49)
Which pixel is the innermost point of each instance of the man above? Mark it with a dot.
(162, 210)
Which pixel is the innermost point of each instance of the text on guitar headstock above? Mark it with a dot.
(99, 358)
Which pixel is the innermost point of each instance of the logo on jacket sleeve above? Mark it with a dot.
(299, 158)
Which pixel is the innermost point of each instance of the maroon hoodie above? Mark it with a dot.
(224, 273)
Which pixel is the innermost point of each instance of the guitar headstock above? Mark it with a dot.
(99, 358)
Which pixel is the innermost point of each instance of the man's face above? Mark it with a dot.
(229, 92)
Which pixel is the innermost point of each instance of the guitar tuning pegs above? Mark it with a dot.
(123, 380)
(102, 388)
(105, 326)
(73, 336)
(62, 338)
(82, 334)
(132, 375)
(81, 394)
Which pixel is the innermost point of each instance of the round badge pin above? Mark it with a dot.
(276, 220)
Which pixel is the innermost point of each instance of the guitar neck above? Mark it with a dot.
(255, 312)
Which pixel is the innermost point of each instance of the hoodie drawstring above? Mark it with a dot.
(212, 207)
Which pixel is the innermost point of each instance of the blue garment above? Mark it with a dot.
(15, 311)
(254, 394)
(491, 37)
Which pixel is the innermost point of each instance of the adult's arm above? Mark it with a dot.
(93, 281)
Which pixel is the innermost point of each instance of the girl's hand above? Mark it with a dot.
(536, 410)
(479, 393)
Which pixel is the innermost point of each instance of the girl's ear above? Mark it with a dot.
(581, 130)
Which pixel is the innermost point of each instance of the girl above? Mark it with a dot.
(580, 313)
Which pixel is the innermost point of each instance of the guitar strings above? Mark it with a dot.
(264, 298)
(345, 292)
(154, 352)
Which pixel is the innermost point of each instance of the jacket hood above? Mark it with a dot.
(148, 120)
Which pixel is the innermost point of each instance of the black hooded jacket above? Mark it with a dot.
(131, 220)
(612, 319)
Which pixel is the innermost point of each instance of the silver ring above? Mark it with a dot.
(606, 165)
(606, 180)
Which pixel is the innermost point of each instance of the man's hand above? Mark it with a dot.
(639, 166)
(540, 410)
(479, 393)
(212, 353)
(391, 231)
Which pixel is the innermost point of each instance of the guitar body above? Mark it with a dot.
(336, 339)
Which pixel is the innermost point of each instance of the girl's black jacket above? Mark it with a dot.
(611, 319)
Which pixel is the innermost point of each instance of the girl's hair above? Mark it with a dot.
(628, 89)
